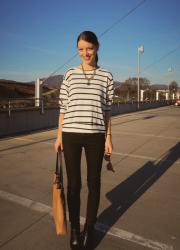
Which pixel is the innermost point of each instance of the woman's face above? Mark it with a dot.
(87, 52)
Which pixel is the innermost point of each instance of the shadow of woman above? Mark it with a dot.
(131, 189)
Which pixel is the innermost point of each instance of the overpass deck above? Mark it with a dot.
(140, 201)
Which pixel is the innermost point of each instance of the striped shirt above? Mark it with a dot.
(84, 105)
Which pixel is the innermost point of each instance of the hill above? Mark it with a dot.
(13, 89)
(51, 86)
(53, 82)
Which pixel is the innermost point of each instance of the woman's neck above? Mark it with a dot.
(88, 66)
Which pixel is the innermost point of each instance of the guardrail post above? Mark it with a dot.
(9, 108)
(157, 95)
(42, 106)
(167, 96)
(141, 95)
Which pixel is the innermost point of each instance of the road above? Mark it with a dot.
(140, 201)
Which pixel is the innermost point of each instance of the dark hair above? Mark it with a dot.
(90, 37)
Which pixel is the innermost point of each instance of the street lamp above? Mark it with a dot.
(170, 69)
(140, 50)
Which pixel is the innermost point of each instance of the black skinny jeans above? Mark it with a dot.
(94, 145)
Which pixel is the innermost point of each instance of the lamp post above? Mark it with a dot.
(170, 71)
(140, 50)
(38, 92)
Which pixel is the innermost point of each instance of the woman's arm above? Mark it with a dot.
(58, 144)
(108, 143)
(63, 99)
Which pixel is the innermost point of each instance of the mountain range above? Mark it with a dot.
(15, 89)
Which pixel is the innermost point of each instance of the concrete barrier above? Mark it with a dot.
(23, 121)
(122, 108)
(30, 119)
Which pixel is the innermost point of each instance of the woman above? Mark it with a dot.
(84, 122)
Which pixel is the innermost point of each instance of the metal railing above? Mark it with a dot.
(15, 104)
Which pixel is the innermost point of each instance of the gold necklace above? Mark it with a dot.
(88, 78)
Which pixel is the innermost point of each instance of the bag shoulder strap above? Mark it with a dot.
(59, 167)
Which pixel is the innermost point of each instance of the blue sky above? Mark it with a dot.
(38, 36)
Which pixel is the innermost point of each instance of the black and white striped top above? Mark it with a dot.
(84, 105)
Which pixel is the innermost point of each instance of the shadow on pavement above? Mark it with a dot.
(146, 117)
(131, 189)
(27, 144)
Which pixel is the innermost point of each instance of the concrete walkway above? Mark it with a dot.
(140, 201)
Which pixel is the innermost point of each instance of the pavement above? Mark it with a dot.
(140, 201)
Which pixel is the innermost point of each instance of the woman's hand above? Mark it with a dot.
(108, 145)
(58, 144)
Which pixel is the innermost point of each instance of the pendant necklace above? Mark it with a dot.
(88, 78)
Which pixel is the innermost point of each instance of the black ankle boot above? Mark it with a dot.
(88, 237)
(75, 239)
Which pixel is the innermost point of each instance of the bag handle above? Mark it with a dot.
(59, 168)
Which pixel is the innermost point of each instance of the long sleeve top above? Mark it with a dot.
(84, 105)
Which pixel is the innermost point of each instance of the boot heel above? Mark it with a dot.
(88, 237)
(75, 239)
